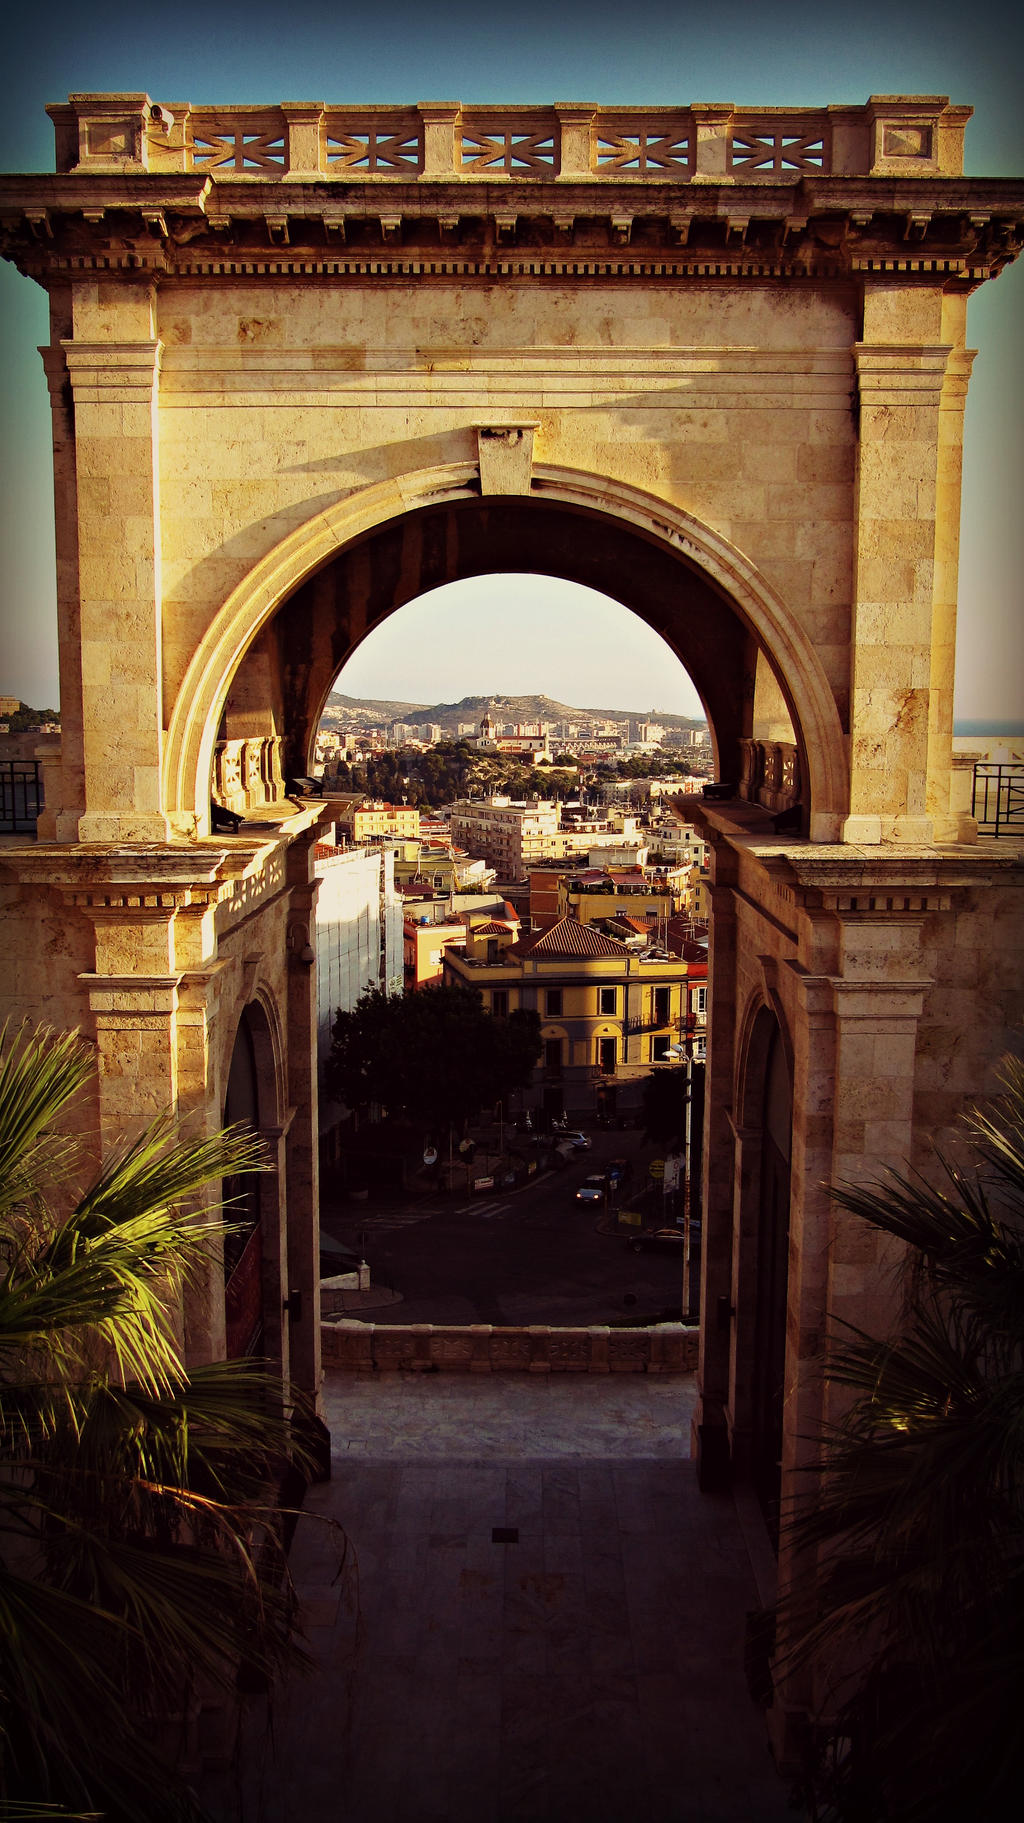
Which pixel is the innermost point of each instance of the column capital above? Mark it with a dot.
(111, 373)
(891, 373)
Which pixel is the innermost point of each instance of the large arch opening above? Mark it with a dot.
(267, 664)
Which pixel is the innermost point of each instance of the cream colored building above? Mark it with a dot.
(307, 363)
(507, 835)
(371, 820)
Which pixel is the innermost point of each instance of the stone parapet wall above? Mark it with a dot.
(484, 1348)
(890, 136)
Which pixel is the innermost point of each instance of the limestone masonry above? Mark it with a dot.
(307, 362)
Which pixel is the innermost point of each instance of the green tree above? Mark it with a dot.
(435, 1056)
(138, 1527)
(915, 1606)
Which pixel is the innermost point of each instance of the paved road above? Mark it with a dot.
(525, 1256)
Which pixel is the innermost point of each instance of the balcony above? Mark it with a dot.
(997, 798)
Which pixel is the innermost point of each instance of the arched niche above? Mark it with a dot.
(254, 1225)
(765, 1101)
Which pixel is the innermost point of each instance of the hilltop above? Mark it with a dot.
(371, 712)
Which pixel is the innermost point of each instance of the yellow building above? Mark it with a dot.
(370, 820)
(608, 1013)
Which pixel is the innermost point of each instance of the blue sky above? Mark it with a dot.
(664, 51)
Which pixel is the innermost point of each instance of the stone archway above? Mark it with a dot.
(280, 639)
(305, 362)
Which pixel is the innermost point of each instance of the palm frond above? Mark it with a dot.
(910, 1596)
(140, 1543)
(40, 1073)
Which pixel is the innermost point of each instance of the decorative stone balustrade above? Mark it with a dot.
(484, 1348)
(888, 136)
(247, 773)
(771, 774)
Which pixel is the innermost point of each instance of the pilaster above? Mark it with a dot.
(717, 1313)
(117, 752)
(302, 1152)
(911, 395)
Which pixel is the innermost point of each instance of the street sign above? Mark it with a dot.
(657, 1167)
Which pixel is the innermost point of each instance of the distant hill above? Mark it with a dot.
(369, 712)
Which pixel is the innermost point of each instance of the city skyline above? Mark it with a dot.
(251, 54)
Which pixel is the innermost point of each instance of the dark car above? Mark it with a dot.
(668, 1238)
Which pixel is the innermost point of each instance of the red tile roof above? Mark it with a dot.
(569, 938)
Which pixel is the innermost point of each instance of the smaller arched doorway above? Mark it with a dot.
(772, 1280)
(253, 1238)
(761, 1257)
(243, 1236)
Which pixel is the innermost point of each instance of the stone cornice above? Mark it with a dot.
(953, 230)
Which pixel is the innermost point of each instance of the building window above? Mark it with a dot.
(700, 1002)
(606, 1056)
(662, 1005)
(659, 1048)
(553, 1002)
(499, 1001)
(553, 1056)
(608, 1000)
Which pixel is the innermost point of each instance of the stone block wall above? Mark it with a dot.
(483, 1348)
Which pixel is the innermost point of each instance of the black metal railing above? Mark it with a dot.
(997, 800)
(21, 796)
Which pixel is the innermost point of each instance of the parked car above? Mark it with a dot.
(581, 1141)
(668, 1238)
(592, 1189)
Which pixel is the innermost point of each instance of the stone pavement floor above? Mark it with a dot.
(533, 1616)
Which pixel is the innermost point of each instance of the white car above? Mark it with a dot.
(579, 1140)
(592, 1189)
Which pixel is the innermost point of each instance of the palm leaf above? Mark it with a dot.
(40, 1073)
(909, 1596)
(138, 1545)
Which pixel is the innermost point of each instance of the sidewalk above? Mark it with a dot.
(540, 1619)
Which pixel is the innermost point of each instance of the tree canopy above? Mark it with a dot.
(435, 1056)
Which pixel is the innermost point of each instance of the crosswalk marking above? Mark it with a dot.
(396, 1218)
(486, 1210)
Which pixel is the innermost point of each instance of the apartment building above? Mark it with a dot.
(425, 946)
(609, 1013)
(358, 946)
(438, 866)
(362, 820)
(508, 835)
